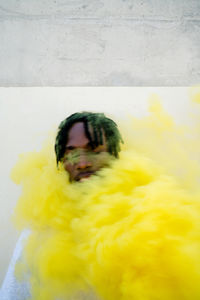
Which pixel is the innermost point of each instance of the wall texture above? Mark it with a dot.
(99, 42)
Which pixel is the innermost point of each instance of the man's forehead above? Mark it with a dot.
(77, 133)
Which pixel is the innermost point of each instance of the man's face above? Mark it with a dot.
(80, 160)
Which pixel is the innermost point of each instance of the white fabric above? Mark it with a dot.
(12, 289)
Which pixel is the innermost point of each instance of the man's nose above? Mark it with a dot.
(84, 162)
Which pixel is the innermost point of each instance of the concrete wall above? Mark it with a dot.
(99, 42)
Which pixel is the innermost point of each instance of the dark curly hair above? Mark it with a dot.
(98, 123)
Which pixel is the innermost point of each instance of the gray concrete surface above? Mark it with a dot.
(99, 42)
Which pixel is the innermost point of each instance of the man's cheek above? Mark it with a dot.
(70, 171)
(73, 157)
(68, 167)
(102, 160)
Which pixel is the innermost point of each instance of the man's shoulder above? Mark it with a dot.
(11, 287)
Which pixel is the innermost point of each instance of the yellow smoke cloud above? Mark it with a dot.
(132, 232)
(195, 94)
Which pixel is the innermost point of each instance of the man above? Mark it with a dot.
(85, 143)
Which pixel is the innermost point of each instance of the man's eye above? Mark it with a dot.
(70, 148)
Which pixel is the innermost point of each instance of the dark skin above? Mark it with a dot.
(80, 160)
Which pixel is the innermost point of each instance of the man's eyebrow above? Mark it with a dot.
(89, 144)
(71, 147)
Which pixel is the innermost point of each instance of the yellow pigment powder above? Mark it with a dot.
(132, 232)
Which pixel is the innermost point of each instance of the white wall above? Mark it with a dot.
(99, 42)
(27, 115)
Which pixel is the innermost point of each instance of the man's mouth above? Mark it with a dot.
(83, 176)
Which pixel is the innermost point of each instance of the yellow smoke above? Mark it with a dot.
(195, 94)
(132, 232)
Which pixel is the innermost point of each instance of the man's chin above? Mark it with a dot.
(84, 179)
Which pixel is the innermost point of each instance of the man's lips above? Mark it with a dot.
(84, 175)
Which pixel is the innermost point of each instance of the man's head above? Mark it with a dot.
(85, 142)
